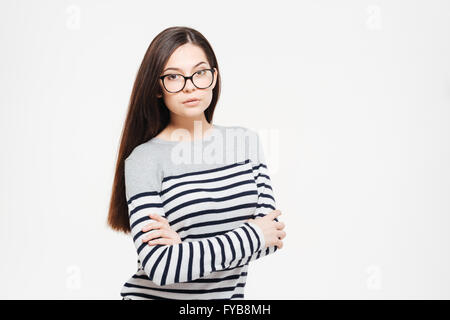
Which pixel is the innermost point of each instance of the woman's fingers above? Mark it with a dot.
(152, 225)
(279, 244)
(156, 234)
(281, 234)
(161, 233)
(273, 214)
(276, 212)
(167, 237)
(279, 225)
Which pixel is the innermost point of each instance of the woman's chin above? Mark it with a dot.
(193, 110)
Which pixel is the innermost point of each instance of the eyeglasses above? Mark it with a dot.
(201, 79)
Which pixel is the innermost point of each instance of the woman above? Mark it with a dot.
(200, 209)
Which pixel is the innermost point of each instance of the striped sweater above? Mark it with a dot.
(206, 189)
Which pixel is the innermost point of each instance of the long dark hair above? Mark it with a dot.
(147, 114)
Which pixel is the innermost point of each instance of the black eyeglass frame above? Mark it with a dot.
(186, 79)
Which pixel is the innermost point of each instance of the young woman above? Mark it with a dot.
(201, 208)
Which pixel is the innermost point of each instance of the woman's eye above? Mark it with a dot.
(172, 76)
(201, 72)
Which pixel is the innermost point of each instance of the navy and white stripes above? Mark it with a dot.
(188, 261)
(208, 208)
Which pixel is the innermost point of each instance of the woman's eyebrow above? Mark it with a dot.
(171, 68)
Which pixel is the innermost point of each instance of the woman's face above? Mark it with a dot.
(186, 60)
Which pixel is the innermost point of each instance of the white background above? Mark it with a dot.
(354, 96)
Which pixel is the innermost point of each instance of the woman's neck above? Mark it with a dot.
(196, 129)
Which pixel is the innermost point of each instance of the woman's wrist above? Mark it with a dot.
(259, 232)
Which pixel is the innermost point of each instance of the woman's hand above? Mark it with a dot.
(272, 230)
(168, 236)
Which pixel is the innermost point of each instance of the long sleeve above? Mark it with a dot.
(266, 198)
(186, 261)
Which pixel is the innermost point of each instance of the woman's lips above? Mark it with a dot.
(191, 102)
